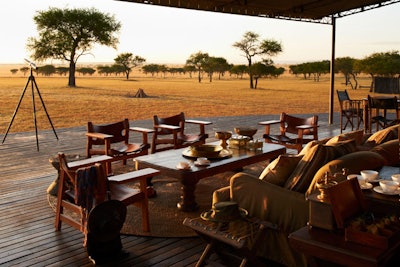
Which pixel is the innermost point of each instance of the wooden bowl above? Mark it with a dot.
(206, 151)
(246, 131)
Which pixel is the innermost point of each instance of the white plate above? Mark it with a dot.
(366, 186)
(375, 181)
(378, 189)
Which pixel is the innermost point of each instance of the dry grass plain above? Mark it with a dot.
(107, 99)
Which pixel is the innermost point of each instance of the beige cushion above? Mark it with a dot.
(390, 151)
(279, 170)
(302, 175)
(383, 135)
(354, 162)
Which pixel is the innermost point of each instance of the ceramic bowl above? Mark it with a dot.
(388, 186)
(396, 177)
(370, 175)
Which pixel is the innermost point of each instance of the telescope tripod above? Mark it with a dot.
(34, 86)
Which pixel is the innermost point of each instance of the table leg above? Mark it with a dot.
(188, 202)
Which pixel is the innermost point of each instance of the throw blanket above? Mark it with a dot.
(85, 185)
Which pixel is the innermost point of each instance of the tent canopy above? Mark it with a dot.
(320, 11)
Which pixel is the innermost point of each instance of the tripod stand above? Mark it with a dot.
(31, 80)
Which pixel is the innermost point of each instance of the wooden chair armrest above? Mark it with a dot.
(99, 135)
(74, 165)
(141, 130)
(134, 175)
(198, 122)
(269, 122)
(168, 127)
(202, 124)
(145, 132)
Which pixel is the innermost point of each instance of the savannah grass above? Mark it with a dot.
(107, 99)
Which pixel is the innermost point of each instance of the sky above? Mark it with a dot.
(164, 35)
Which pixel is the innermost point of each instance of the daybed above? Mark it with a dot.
(279, 194)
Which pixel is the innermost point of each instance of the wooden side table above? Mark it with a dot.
(242, 235)
(326, 245)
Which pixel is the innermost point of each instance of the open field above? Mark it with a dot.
(106, 99)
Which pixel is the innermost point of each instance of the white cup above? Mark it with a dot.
(202, 160)
(389, 186)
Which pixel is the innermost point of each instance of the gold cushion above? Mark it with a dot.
(279, 170)
(383, 135)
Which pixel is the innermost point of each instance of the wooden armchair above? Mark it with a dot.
(378, 108)
(169, 132)
(98, 188)
(294, 131)
(349, 110)
(113, 140)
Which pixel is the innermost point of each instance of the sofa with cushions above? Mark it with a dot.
(279, 194)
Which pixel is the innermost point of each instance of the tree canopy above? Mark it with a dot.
(128, 62)
(252, 46)
(198, 60)
(67, 34)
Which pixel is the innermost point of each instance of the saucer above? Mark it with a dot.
(366, 186)
(181, 166)
(205, 163)
(378, 189)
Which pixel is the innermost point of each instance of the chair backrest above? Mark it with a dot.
(94, 185)
(119, 131)
(289, 123)
(343, 95)
(176, 120)
(383, 102)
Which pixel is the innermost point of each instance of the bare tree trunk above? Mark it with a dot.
(71, 79)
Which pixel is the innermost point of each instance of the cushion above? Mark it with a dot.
(354, 162)
(342, 148)
(354, 135)
(390, 151)
(384, 135)
(309, 145)
(279, 170)
(302, 175)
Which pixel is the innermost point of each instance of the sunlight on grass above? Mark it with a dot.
(102, 99)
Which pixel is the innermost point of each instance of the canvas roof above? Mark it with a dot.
(320, 11)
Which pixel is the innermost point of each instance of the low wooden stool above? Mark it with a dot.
(243, 236)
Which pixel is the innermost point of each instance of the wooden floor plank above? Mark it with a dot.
(27, 233)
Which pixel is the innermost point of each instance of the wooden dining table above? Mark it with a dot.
(166, 162)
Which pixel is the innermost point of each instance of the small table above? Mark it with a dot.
(332, 247)
(242, 235)
(166, 162)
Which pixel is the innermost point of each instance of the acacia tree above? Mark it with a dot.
(198, 60)
(128, 62)
(67, 34)
(251, 46)
(345, 65)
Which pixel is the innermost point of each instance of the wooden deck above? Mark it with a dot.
(27, 233)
